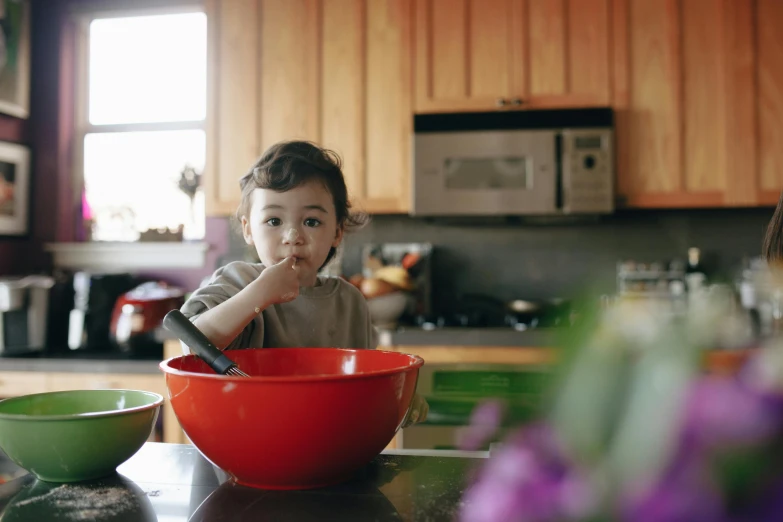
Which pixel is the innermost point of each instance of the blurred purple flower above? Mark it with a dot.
(720, 413)
(484, 423)
(723, 412)
(675, 502)
(527, 480)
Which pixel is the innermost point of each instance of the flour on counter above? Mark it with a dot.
(83, 503)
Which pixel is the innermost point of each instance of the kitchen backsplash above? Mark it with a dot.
(510, 259)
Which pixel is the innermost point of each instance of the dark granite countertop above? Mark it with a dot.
(174, 482)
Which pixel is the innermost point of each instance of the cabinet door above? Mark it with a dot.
(233, 135)
(466, 53)
(264, 86)
(488, 54)
(289, 72)
(684, 96)
(366, 100)
(565, 53)
(336, 72)
(769, 18)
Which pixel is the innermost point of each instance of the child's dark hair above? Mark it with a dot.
(773, 240)
(289, 164)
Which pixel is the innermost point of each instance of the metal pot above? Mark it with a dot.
(523, 313)
(518, 313)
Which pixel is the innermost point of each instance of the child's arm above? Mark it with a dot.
(277, 284)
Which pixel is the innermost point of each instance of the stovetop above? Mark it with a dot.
(478, 320)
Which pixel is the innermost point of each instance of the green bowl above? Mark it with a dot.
(71, 436)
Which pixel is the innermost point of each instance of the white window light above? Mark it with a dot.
(140, 123)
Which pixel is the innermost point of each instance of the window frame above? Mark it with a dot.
(81, 61)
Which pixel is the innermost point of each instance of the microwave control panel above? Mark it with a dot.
(587, 170)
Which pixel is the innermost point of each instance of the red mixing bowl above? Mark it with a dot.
(307, 417)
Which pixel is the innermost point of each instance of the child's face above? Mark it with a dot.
(300, 222)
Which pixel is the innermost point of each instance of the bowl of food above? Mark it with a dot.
(305, 418)
(70, 436)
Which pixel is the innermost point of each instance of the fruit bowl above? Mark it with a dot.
(386, 310)
(306, 417)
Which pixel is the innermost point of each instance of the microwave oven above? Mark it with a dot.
(514, 163)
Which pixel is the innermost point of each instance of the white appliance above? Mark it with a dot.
(24, 313)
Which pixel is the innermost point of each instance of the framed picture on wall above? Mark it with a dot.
(14, 189)
(15, 57)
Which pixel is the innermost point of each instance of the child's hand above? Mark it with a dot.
(281, 282)
(418, 411)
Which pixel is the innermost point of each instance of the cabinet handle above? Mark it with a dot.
(516, 102)
(501, 102)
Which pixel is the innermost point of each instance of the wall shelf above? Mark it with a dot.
(119, 256)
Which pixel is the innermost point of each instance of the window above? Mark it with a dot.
(140, 117)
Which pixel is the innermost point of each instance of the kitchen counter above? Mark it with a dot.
(174, 482)
(97, 363)
(499, 337)
(403, 337)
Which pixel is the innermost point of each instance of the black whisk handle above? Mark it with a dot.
(187, 332)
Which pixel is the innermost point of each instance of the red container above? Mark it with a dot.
(307, 417)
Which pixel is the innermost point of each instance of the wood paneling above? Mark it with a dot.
(696, 86)
(343, 87)
(471, 54)
(621, 96)
(589, 48)
(704, 168)
(465, 51)
(741, 129)
(692, 130)
(489, 55)
(234, 81)
(548, 52)
(769, 45)
(389, 109)
(449, 48)
(654, 122)
(13, 384)
(480, 354)
(337, 72)
(290, 71)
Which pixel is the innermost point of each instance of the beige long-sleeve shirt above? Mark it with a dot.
(333, 313)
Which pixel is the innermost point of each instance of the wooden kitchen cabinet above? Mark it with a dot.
(769, 104)
(336, 72)
(367, 112)
(13, 384)
(120, 381)
(475, 55)
(696, 85)
(698, 95)
(263, 87)
(480, 354)
(16, 383)
(78, 381)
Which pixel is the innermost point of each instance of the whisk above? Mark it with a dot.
(187, 332)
